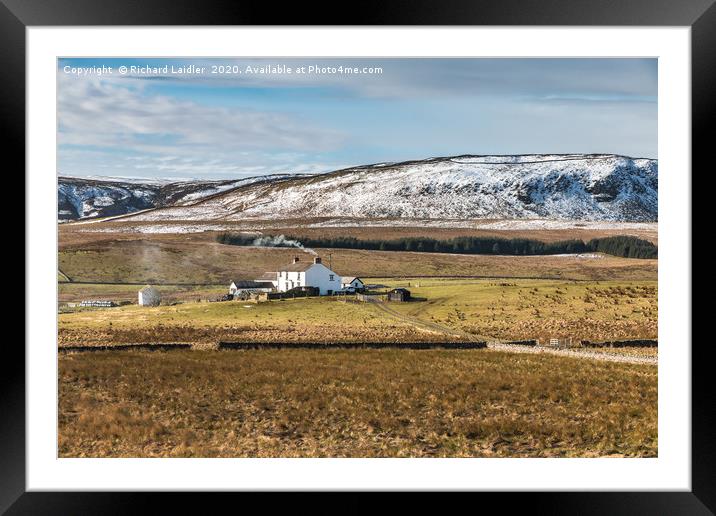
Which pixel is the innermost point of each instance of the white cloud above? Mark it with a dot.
(109, 112)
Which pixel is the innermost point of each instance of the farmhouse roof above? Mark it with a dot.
(350, 279)
(297, 267)
(251, 284)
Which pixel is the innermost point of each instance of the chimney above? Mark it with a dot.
(295, 259)
(316, 260)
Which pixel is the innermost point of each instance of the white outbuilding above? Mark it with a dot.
(352, 282)
(149, 296)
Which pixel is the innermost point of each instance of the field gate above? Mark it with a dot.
(560, 343)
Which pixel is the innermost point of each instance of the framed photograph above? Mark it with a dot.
(443, 248)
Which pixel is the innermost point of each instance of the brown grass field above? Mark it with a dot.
(352, 403)
(198, 258)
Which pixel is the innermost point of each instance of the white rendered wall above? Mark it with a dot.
(319, 276)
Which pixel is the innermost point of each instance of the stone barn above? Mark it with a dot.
(399, 294)
(149, 296)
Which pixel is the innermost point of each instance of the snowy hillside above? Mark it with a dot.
(575, 186)
(81, 198)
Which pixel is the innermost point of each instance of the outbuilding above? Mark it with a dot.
(149, 296)
(399, 294)
(268, 277)
(352, 282)
(237, 287)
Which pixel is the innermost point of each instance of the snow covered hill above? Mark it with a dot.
(588, 187)
(84, 198)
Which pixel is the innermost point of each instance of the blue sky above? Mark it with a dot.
(152, 123)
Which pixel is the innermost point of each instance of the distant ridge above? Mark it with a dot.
(86, 198)
(590, 187)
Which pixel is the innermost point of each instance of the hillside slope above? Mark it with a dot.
(82, 198)
(590, 187)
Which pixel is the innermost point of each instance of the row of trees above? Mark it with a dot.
(625, 246)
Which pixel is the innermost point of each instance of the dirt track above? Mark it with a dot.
(576, 353)
(426, 325)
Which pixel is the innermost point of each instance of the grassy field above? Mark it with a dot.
(290, 320)
(353, 403)
(515, 309)
(537, 309)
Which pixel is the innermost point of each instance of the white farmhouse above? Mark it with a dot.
(308, 274)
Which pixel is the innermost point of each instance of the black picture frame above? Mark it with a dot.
(17, 15)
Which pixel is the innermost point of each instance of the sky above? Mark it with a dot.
(202, 118)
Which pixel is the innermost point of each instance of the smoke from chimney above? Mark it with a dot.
(280, 241)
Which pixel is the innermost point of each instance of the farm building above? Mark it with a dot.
(237, 287)
(268, 277)
(399, 294)
(352, 282)
(149, 296)
(307, 274)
